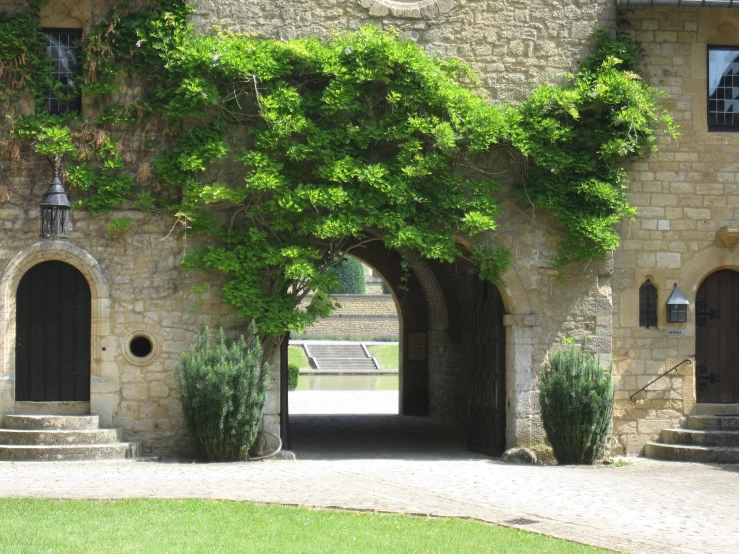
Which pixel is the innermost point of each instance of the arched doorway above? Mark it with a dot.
(53, 323)
(716, 333)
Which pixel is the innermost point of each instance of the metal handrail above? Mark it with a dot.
(687, 360)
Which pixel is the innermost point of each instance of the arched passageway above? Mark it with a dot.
(451, 367)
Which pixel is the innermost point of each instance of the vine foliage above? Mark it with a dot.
(289, 155)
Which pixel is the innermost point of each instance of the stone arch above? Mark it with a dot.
(414, 307)
(101, 373)
(700, 266)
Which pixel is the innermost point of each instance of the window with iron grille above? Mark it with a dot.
(63, 46)
(723, 88)
(647, 305)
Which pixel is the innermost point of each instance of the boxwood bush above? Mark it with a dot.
(223, 388)
(576, 397)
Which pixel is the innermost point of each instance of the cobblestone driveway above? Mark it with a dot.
(646, 506)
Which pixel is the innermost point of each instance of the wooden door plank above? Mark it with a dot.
(723, 343)
(22, 341)
(66, 365)
(712, 392)
(733, 337)
(37, 360)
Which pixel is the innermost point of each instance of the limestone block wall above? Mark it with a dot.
(358, 315)
(514, 45)
(685, 193)
(137, 289)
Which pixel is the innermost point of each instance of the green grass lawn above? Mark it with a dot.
(207, 526)
(386, 354)
(296, 355)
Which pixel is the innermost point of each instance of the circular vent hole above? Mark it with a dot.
(140, 347)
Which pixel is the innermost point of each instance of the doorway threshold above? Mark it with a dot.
(51, 408)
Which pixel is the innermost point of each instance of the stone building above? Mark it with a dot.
(470, 353)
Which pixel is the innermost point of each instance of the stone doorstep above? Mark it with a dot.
(689, 437)
(689, 453)
(58, 453)
(40, 422)
(702, 409)
(718, 423)
(58, 437)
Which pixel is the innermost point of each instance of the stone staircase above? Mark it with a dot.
(703, 438)
(336, 357)
(61, 438)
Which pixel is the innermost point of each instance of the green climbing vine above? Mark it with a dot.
(288, 155)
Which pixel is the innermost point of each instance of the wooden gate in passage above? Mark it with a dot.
(487, 384)
(716, 337)
(52, 347)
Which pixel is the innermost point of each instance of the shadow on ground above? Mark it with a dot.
(377, 436)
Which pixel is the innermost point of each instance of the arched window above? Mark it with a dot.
(647, 305)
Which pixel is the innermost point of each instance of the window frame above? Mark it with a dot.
(76, 106)
(650, 310)
(712, 127)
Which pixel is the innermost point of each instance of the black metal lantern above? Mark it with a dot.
(677, 306)
(55, 210)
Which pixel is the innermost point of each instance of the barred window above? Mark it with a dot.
(63, 46)
(647, 305)
(723, 89)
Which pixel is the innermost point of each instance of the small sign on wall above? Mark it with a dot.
(675, 332)
(416, 347)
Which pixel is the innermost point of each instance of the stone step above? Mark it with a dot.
(687, 453)
(717, 409)
(346, 363)
(59, 453)
(16, 437)
(40, 422)
(691, 437)
(354, 351)
(713, 422)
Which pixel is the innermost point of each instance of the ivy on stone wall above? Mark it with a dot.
(290, 154)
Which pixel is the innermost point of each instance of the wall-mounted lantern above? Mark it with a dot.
(677, 306)
(55, 209)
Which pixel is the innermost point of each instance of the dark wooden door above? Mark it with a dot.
(716, 337)
(487, 385)
(52, 348)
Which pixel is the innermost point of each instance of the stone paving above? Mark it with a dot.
(410, 465)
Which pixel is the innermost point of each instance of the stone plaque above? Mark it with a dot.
(675, 332)
(416, 347)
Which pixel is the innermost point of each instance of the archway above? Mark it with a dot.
(716, 330)
(452, 352)
(105, 375)
(52, 352)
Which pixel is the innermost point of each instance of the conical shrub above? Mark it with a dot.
(576, 397)
(223, 389)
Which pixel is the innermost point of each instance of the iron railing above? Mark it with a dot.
(685, 361)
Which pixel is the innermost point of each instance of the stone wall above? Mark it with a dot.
(137, 290)
(515, 46)
(358, 315)
(685, 193)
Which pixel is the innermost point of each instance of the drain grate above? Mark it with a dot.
(520, 521)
